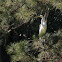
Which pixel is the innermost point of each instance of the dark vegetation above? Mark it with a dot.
(19, 31)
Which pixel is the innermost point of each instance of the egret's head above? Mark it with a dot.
(41, 16)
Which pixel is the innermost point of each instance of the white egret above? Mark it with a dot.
(42, 26)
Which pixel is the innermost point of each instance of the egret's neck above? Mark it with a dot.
(43, 22)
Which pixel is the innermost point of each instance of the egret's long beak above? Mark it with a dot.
(38, 16)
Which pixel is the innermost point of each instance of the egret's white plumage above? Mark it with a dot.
(42, 27)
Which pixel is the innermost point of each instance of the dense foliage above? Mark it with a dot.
(19, 31)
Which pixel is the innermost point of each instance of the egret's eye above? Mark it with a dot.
(41, 15)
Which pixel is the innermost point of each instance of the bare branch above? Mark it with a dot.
(19, 5)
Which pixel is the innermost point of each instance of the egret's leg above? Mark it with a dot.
(40, 39)
(43, 41)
